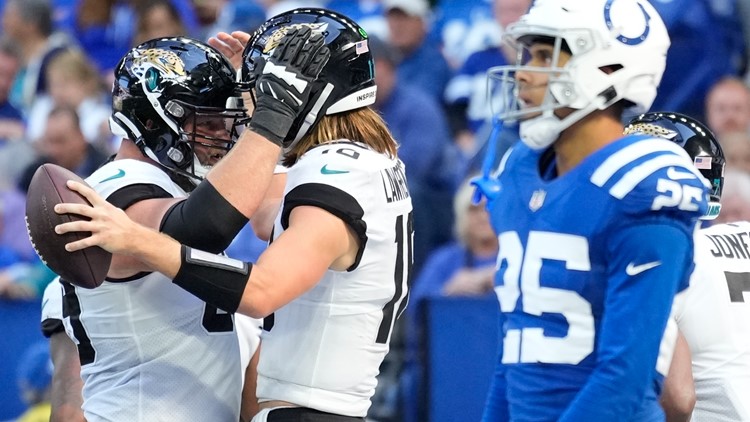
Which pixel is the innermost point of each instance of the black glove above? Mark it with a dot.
(283, 82)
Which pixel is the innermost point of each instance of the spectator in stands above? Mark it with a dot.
(735, 198)
(28, 23)
(22, 274)
(467, 93)
(707, 44)
(73, 81)
(13, 225)
(8, 259)
(736, 146)
(11, 119)
(20, 279)
(105, 28)
(98, 35)
(464, 267)
(419, 126)
(63, 143)
(463, 27)
(14, 156)
(422, 64)
(368, 13)
(728, 107)
(216, 16)
(156, 19)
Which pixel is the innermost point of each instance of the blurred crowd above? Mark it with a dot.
(431, 58)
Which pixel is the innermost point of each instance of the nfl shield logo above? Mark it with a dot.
(537, 199)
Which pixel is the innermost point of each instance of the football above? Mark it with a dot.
(85, 268)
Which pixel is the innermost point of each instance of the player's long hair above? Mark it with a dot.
(361, 125)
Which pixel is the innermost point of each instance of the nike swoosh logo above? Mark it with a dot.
(679, 175)
(633, 269)
(120, 173)
(326, 170)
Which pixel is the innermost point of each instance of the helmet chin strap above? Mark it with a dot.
(542, 131)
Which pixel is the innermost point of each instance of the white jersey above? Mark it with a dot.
(150, 351)
(248, 332)
(52, 308)
(715, 319)
(323, 350)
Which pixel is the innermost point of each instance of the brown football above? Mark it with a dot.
(85, 268)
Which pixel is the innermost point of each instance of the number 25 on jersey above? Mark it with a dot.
(521, 279)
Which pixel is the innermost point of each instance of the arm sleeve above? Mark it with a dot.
(206, 220)
(635, 315)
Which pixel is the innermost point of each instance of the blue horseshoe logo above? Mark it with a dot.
(623, 39)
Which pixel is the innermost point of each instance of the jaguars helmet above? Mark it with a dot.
(164, 84)
(618, 51)
(698, 142)
(346, 82)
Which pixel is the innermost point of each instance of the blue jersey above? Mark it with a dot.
(588, 266)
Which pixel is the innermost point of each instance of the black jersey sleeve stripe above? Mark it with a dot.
(333, 200)
(52, 326)
(130, 278)
(129, 195)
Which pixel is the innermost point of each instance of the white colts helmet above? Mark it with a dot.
(627, 37)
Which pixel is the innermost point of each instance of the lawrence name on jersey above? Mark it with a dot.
(323, 350)
(588, 266)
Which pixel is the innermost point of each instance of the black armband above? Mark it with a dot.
(206, 220)
(215, 279)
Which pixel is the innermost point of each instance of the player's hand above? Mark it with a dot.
(231, 45)
(283, 82)
(109, 227)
